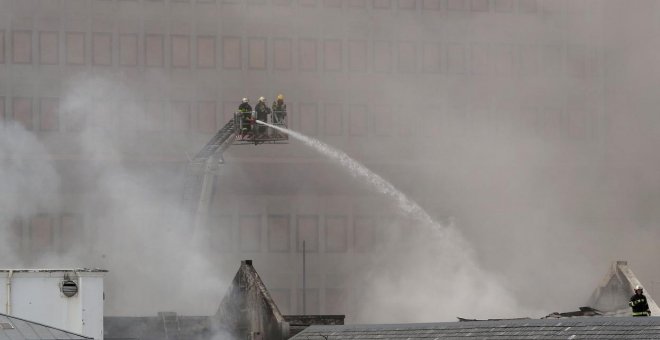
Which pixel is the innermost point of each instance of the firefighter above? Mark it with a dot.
(638, 303)
(279, 110)
(262, 111)
(245, 110)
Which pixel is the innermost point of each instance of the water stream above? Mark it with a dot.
(358, 170)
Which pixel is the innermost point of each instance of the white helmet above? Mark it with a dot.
(638, 287)
(245, 100)
(261, 99)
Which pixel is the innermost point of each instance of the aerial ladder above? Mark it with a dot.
(204, 166)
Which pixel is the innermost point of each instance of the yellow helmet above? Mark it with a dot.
(280, 97)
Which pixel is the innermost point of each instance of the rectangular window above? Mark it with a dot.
(206, 52)
(2, 47)
(479, 59)
(594, 66)
(49, 48)
(257, 53)
(307, 3)
(434, 5)
(249, 234)
(407, 4)
(75, 48)
(457, 5)
(307, 54)
(154, 50)
(548, 122)
(503, 59)
(279, 234)
(102, 49)
(41, 232)
(231, 52)
(357, 4)
(222, 234)
(154, 115)
(552, 60)
(282, 54)
(180, 119)
(282, 2)
(21, 42)
(332, 55)
(455, 58)
(503, 5)
(432, 57)
(336, 234)
(307, 229)
(554, 7)
(333, 119)
(335, 301)
(527, 6)
(206, 117)
(357, 55)
(128, 49)
(407, 56)
(358, 120)
(180, 51)
(49, 114)
(382, 4)
(22, 111)
(576, 63)
(529, 60)
(282, 298)
(382, 56)
(308, 113)
(71, 231)
(578, 124)
(312, 303)
(363, 233)
(479, 5)
(332, 3)
(383, 121)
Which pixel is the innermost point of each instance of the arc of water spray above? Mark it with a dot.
(358, 170)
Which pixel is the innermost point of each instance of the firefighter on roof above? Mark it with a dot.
(638, 303)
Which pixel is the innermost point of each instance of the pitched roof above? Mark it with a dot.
(573, 328)
(614, 292)
(15, 328)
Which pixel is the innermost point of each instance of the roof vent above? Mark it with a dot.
(69, 288)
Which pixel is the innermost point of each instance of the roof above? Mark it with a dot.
(573, 328)
(615, 290)
(77, 270)
(15, 328)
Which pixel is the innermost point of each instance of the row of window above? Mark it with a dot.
(502, 6)
(284, 233)
(303, 54)
(334, 304)
(43, 233)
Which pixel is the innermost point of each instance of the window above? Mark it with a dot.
(407, 56)
(576, 63)
(552, 60)
(257, 53)
(102, 49)
(480, 59)
(529, 60)
(2, 47)
(336, 234)
(407, 4)
(231, 52)
(335, 300)
(432, 5)
(249, 234)
(282, 2)
(206, 52)
(382, 4)
(457, 5)
(548, 123)
(594, 67)
(357, 55)
(22, 111)
(71, 231)
(357, 4)
(307, 229)
(75, 48)
(332, 3)
(455, 58)
(527, 6)
(332, 55)
(41, 232)
(503, 5)
(21, 47)
(154, 115)
(49, 114)
(49, 48)
(479, 5)
(312, 303)
(307, 54)
(206, 117)
(503, 59)
(553, 7)
(363, 230)
(153, 50)
(382, 56)
(308, 120)
(279, 235)
(358, 123)
(180, 51)
(128, 49)
(432, 58)
(307, 3)
(180, 119)
(578, 124)
(333, 119)
(383, 121)
(222, 234)
(282, 54)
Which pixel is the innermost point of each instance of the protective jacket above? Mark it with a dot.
(639, 305)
